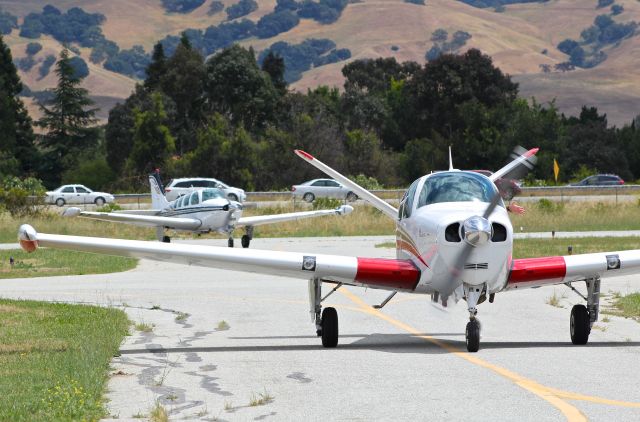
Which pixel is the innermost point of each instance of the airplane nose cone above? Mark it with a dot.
(477, 230)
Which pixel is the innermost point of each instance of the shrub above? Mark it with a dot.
(242, 8)
(80, 68)
(369, 183)
(604, 3)
(21, 197)
(326, 203)
(95, 173)
(7, 22)
(33, 48)
(276, 23)
(420, 2)
(181, 6)
(215, 7)
(547, 206)
(46, 65)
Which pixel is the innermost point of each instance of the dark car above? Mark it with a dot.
(600, 180)
(508, 188)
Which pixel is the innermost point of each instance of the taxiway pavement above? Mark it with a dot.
(404, 362)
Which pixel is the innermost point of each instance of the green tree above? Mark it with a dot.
(67, 121)
(273, 64)
(18, 154)
(183, 82)
(152, 140)
(156, 69)
(238, 89)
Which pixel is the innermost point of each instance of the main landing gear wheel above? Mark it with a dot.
(230, 242)
(580, 324)
(329, 327)
(472, 335)
(245, 240)
(166, 239)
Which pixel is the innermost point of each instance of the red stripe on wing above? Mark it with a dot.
(537, 271)
(392, 273)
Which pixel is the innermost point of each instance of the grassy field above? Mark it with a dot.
(51, 262)
(628, 306)
(541, 216)
(53, 359)
(533, 248)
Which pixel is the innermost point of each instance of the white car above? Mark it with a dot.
(77, 194)
(322, 188)
(179, 187)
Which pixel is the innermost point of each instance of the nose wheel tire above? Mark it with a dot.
(230, 242)
(472, 335)
(245, 240)
(329, 327)
(309, 197)
(580, 324)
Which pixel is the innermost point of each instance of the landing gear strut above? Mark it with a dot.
(246, 238)
(230, 242)
(473, 295)
(583, 317)
(326, 320)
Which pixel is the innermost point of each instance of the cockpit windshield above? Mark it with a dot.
(456, 187)
(211, 194)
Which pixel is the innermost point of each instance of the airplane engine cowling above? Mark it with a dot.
(28, 238)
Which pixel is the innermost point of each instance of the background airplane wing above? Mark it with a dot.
(278, 218)
(389, 274)
(536, 272)
(144, 220)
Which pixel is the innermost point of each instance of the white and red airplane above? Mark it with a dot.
(454, 240)
(204, 210)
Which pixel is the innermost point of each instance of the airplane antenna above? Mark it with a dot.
(450, 160)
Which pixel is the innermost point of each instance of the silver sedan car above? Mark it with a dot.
(77, 194)
(322, 188)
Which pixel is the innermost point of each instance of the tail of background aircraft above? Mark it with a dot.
(158, 200)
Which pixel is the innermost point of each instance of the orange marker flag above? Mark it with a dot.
(556, 169)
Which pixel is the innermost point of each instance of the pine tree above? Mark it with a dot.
(273, 64)
(67, 121)
(18, 154)
(156, 69)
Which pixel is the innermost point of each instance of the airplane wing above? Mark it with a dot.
(278, 218)
(379, 273)
(138, 220)
(536, 272)
(383, 206)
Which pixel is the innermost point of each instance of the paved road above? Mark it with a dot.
(405, 362)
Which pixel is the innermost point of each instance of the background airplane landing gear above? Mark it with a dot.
(166, 239)
(329, 324)
(580, 324)
(472, 335)
(246, 238)
(230, 242)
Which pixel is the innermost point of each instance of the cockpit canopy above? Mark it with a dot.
(197, 197)
(458, 186)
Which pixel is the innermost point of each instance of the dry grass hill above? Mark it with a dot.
(520, 39)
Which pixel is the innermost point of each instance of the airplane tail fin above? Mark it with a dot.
(158, 200)
(383, 206)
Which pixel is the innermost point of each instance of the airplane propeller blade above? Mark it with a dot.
(524, 160)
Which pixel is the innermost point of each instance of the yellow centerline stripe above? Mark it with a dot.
(571, 413)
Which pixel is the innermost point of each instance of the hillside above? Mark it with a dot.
(520, 39)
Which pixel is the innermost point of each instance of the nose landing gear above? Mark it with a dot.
(473, 295)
